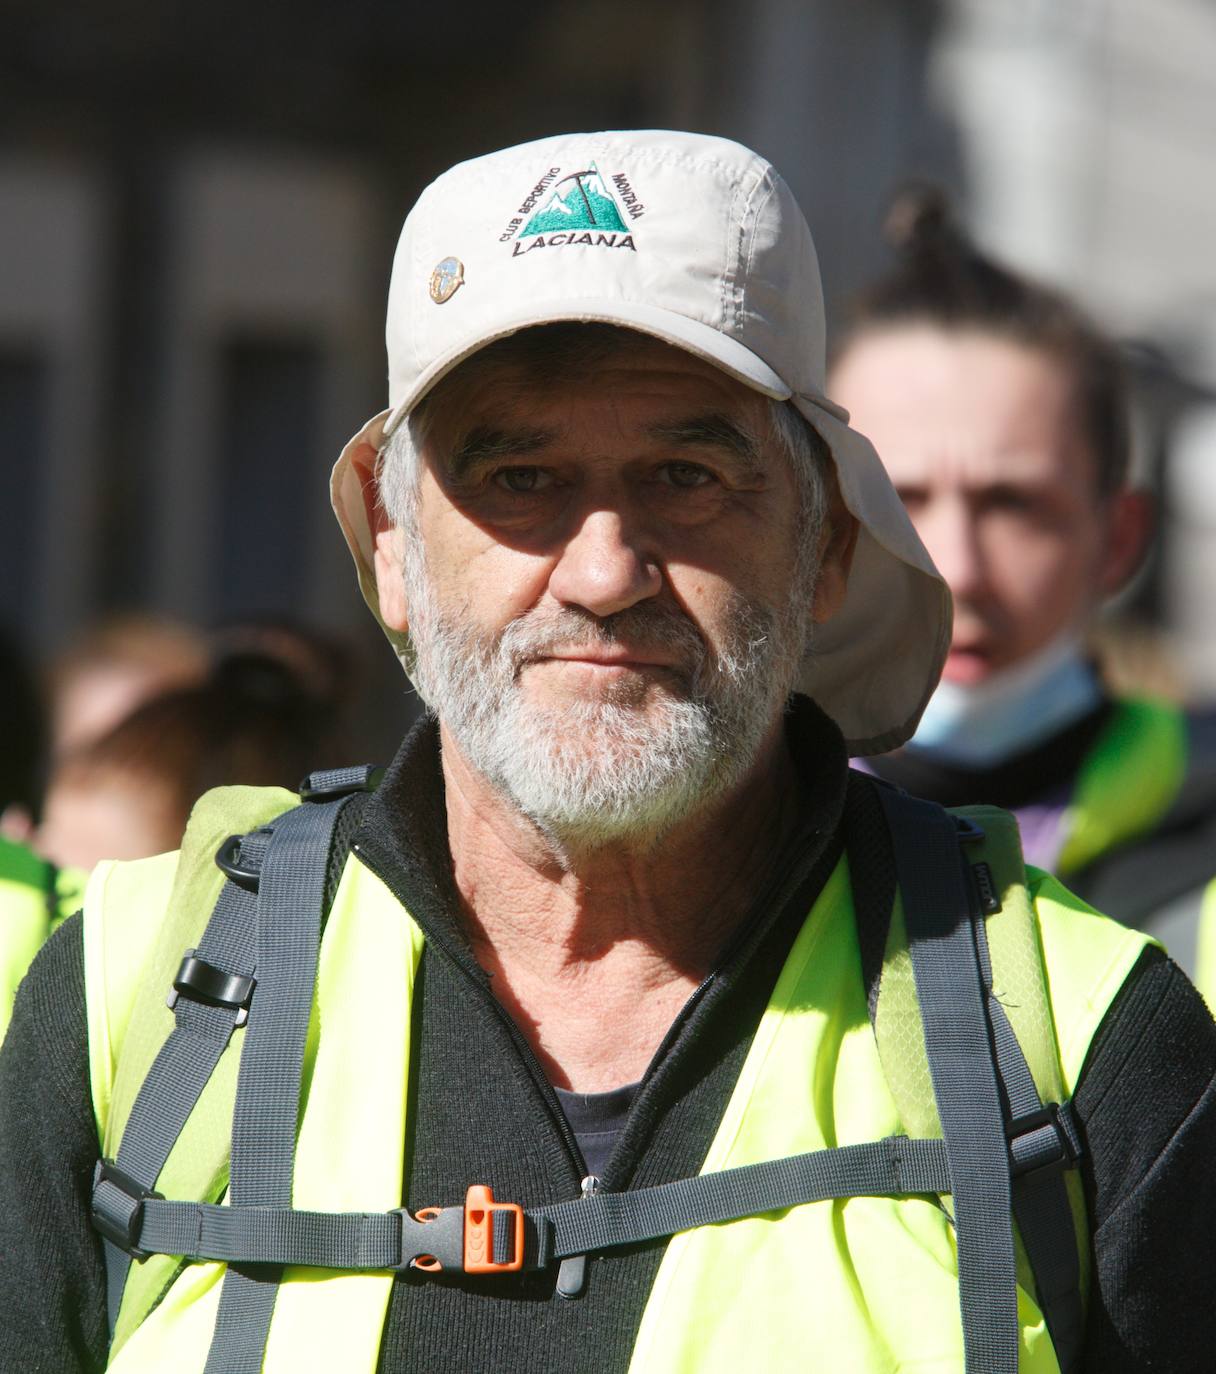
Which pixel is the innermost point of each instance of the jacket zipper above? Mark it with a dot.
(572, 1273)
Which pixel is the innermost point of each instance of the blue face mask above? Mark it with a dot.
(980, 726)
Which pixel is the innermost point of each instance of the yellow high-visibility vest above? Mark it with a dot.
(869, 1285)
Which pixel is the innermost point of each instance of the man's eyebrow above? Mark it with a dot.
(484, 444)
(710, 431)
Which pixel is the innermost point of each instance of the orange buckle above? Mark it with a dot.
(479, 1210)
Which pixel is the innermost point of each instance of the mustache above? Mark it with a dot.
(648, 626)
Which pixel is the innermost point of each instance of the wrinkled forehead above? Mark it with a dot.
(965, 409)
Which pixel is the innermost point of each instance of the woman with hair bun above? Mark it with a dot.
(1000, 411)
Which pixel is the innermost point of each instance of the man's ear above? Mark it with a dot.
(1131, 522)
(835, 558)
(386, 543)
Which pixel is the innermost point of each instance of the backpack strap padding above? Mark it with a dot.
(197, 884)
(179, 1074)
(1052, 1245)
(197, 1165)
(1048, 1204)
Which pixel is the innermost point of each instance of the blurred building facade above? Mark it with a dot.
(198, 206)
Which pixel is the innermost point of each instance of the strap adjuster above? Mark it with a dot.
(203, 982)
(325, 784)
(482, 1237)
(228, 861)
(1041, 1140)
(118, 1211)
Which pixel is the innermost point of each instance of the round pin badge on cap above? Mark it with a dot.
(446, 279)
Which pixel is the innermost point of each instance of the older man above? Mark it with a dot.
(613, 956)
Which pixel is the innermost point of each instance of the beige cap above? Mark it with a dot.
(698, 242)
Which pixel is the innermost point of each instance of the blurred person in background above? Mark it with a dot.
(326, 666)
(271, 707)
(1000, 412)
(265, 715)
(104, 674)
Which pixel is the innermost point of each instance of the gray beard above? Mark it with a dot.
(640, 758)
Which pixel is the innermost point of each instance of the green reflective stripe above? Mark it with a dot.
(35, 899)
(1127, 783)
(1205, 961)
(25, 917)
(19, 864)
(70, 884)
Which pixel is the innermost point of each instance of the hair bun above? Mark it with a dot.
(260, 680)
(920, 220)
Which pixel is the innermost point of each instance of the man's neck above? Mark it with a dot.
(617, 935)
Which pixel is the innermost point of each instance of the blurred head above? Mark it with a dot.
(129, 793)
(1000, 413)
(114, 666)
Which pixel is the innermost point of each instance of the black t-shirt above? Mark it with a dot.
(597, 1119)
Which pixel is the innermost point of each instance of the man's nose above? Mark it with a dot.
(605, 567)
(951, 534)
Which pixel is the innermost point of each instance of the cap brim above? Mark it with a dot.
(678, 330)
(874, 665)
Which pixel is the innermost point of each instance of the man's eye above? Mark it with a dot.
(1011, 500)
(686, 474)
(522, 480)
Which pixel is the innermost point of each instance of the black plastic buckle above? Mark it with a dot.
(228, 861)
(433, 1240)
(203, 982)
(1054, 1152)
(122, 1231)
(327, 783)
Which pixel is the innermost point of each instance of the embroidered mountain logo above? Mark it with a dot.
(578, 208)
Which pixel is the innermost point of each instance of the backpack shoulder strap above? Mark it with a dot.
(170, 1124)
(983, 955)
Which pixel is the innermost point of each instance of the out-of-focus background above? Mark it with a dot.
(198, 205)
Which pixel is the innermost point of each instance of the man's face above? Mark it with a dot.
(604, 588)
(982, 442)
